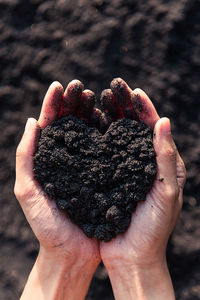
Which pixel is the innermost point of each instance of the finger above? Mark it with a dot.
(105, 121)
(144, 108)
(181, 171)
(111, 105)
(86, 105)
(51, 104)
(72, 97)
(166, 152)
(123, 94)
(26, 149)
(99, 120)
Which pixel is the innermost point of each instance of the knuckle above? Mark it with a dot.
(16, 190)
(172, 192)
(169, 152)
(22, 152)
(19, 151)
(19, 193)
(184, 171)
(183, 168)
(24, 190)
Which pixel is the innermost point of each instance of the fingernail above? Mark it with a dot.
(29, 124)
(166, 126)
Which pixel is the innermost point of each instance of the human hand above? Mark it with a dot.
(65, 251)
(136, 259)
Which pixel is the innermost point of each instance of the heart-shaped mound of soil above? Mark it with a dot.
(98, 179)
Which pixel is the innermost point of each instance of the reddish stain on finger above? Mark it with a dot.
(61, 107)
(51, 104)
(111, 105)
(95, 116)
(86, 105)
(123, 95)
(100, 120)
(144, 109)
(139, 106)
(72, 98)
(56, 100)
(105, 122)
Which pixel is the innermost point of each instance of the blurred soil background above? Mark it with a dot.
(152, 44)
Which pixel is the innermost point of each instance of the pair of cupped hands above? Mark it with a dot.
(64, 248)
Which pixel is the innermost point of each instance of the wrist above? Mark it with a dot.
(53, 277)
(69, 260)
(141, 281)
(125, 258)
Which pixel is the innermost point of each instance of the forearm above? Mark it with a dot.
(51, 279)
(141, 283)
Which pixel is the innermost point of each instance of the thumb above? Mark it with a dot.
(165, 152)
(25, 152)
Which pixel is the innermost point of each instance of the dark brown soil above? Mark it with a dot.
(97, 179)
(152, 44)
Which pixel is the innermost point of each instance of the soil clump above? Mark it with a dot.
(97, 179)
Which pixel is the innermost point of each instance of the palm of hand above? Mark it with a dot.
(54, 231)
(154, 219)
(148, 233)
